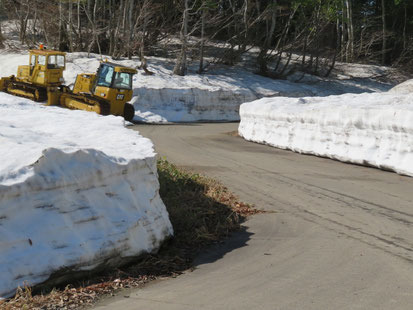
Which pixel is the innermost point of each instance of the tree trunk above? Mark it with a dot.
(181, 65)
(343, 32)
(123, 10)
(384, 45)
(34, 24)
(111, 31)
(1, 35)
(117, 32)
(60, 39)
(96, 27)
(404, 27)
(350, 31)
(333, 63)
(201, 48)
(79, 28)
(246, 28)
(262, 57)
(131, 30)
(46, 35)
(70, 25)
(23, 22)
(338, 30)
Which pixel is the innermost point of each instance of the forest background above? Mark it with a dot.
(320, 32)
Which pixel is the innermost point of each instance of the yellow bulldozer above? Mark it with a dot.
(32, 81)
(105, 92)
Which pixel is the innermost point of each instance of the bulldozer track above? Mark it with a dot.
(92, 101)
(36, 93)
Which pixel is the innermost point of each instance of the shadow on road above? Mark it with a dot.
(235, 241)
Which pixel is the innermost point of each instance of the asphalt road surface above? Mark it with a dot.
(340, 236)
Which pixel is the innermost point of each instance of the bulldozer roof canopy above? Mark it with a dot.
(47, 52)
(120, 68)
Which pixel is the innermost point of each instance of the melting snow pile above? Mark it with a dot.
(373, 129)
(77, 192)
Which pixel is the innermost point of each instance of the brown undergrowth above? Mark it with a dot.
(202, 212)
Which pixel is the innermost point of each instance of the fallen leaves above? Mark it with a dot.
(70, 297)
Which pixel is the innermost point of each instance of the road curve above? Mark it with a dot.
(340, 236)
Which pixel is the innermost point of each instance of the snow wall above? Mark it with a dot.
(371, 129)
(188, 105)
(78, 192)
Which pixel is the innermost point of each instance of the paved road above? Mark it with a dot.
(341, 236)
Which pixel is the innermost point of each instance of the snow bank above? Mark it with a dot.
(213, 96)
(158, 105)
(218, 94)
(372, 129)
(78, 191)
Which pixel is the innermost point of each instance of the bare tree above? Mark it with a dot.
(91, 16)
(181, 61)
(384, 45)
(269, 34)
(350, 31)
(1, 38)
(202, 45)
(70, 25)
(22, 9)
(375, 30)
(1, 33)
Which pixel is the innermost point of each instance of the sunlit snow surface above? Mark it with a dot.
(77, 191)
(374, 129)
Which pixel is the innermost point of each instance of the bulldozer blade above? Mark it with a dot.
(53, 97)
(3, 84)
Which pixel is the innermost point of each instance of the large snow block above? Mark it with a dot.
(371, 129)
(188, 104)
(78, 192)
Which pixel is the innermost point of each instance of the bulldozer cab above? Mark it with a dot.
(45, 68)
(111, 85)
(114, 83)
(115, 76)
